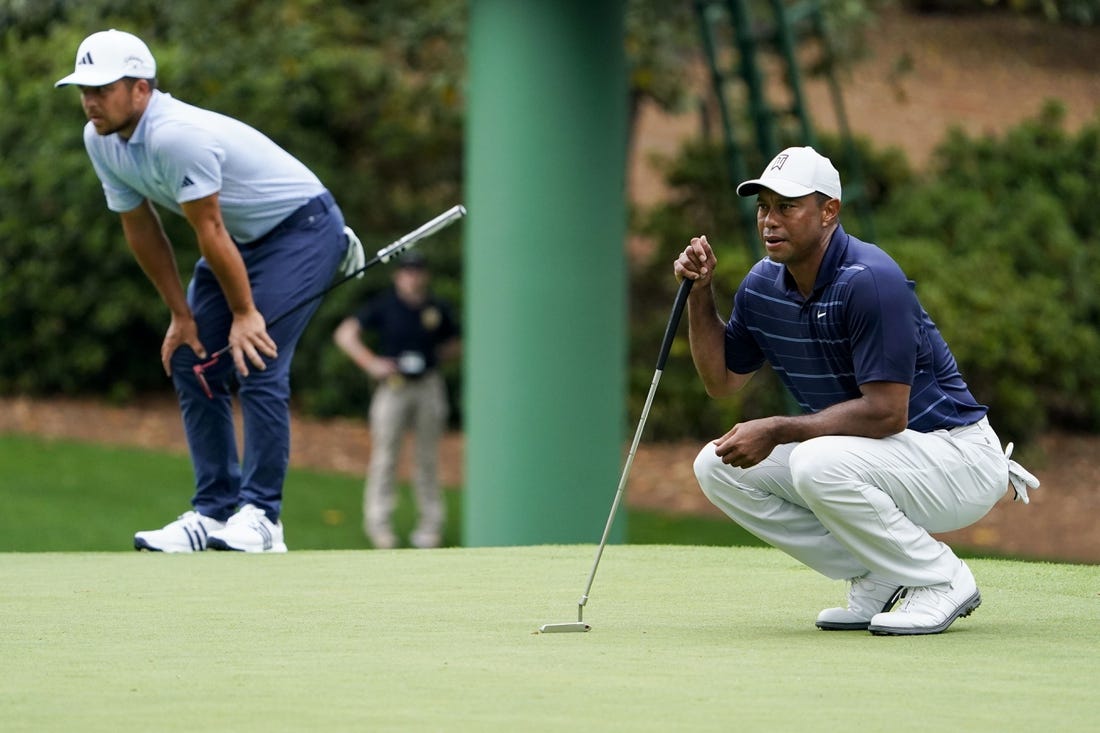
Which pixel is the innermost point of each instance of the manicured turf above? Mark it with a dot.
(683, 639)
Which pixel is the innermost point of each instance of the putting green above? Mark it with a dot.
(684, 638)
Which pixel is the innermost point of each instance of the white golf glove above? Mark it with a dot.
(1020, 478)
(354, 258)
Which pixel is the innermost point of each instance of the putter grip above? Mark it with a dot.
(674, 322)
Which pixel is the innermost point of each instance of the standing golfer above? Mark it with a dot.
(414, 332)
(891, 446)
(270, 236)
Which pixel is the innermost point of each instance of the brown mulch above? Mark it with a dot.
(1059, 524)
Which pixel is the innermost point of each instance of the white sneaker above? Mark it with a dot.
(189, 533)
(867, 596)
(249, 530)
(931, 609)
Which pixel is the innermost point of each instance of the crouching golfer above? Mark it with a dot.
(891, 446)
(270, 236)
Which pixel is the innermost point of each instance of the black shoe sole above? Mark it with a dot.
(826, 626)
(965, 609)
(216, 543)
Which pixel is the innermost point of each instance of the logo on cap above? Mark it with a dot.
(85, 59)
(779, 162)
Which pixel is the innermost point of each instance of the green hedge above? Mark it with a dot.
(1003, 239)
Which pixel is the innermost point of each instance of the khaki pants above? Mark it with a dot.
(399, 405)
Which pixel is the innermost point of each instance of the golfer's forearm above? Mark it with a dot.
(154, 255)
(706, 335)
(869, 416)
(800, 428)
(221, 253)
(225, 262)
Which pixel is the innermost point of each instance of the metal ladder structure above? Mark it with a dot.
(736, 46)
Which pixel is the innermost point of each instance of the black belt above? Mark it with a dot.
(316, 205)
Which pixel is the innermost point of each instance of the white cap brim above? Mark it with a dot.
(789, 189)
(89, 78)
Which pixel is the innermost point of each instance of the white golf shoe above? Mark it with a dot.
(249, 530)
(932, 608)
(189, 533)
(867, 596)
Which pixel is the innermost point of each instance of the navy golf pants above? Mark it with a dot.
(296, 260)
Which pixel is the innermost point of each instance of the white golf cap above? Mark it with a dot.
(108, 56)
(796, 172)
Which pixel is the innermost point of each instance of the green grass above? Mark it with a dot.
(690, 638)
(683, 639)
(70, 496)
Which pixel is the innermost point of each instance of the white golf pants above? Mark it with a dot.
(846, 506)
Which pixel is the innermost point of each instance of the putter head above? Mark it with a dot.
(572, 627)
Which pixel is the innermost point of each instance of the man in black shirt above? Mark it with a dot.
(413, 332)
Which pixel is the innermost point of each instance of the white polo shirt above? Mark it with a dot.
(181, 153)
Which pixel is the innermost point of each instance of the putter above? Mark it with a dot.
(385, 254)
(670, 333)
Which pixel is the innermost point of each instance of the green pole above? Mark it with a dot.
(544, 321)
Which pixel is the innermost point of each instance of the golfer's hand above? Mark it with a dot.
(181, 331)
(746, 444)
(248, 339)
(696, 262)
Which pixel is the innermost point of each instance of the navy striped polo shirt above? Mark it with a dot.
(862, 323)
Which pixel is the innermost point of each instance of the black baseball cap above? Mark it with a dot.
(413, 260)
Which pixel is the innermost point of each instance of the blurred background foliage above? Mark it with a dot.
(1000, 233)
